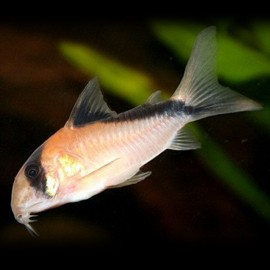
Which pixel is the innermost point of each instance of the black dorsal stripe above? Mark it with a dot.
(170, 108)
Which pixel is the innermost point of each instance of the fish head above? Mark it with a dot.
(33, 191)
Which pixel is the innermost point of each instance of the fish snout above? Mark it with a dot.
(22, 218)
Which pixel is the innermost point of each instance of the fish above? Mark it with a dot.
(98, 149)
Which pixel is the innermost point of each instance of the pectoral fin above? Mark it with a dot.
(139, 176)
(94, 182)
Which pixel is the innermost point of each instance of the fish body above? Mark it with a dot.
(99, 149)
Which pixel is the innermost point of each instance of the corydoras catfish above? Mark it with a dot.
(99, 149)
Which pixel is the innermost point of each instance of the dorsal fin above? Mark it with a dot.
(90, 106)
(154, 98)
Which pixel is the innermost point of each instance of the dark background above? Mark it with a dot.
(182, 204)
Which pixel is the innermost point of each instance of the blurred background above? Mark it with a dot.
(218, 195)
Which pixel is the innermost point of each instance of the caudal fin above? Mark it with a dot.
(199, 88)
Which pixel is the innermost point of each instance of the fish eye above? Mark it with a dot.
(32, 171)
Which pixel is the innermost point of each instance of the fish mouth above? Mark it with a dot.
(25, 219)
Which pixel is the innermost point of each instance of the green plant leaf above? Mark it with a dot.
(121, 80)
(214, 157)
(262, 33)
(236, 61)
